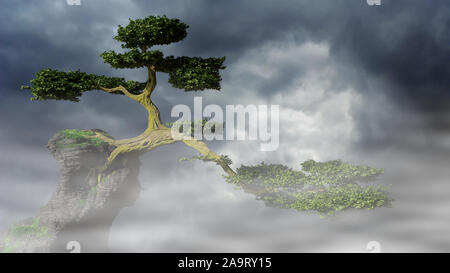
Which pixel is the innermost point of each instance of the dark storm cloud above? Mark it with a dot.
(51, 34)
(402, 45)
(407, 44)
(403, 42)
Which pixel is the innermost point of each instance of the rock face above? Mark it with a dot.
(81, 209)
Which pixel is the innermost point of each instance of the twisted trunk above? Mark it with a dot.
(156, 133)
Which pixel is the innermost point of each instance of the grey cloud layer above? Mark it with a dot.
(373, 76)
(402, 44)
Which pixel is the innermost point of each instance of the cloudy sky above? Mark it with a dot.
(361, 83)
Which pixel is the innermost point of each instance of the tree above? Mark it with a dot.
(276, 184)
(138, 37)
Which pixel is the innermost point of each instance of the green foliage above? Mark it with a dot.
(223, 159)
(196, 74)
(132, 59)
(270, 176)
(226, 159)
(76, 134)
(324, 187)
(186, 73)
(192, 125)
(8, 248)
(20, 233)
(59, 85)
(80, 136)
(151, 31)
(338, 198)
(335, 172)
(34, 230)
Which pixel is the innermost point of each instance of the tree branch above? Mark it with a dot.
(121, 89)
(204, 150)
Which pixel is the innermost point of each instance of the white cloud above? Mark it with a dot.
(315, 119)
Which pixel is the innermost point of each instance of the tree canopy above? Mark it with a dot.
(323, 187)
(58, 85)
(151, 31)
(187, 73)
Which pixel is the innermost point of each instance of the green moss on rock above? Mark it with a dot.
(20, 233)
(81, 138)
(34, 230)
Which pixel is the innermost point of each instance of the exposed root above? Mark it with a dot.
(142, 143)
(155, 138)
(155, 135)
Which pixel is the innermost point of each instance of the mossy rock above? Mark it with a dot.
(20, 234)
(71, 138)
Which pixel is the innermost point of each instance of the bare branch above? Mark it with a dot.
(204, 150)
(121, 89)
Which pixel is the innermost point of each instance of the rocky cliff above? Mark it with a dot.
(81, 209)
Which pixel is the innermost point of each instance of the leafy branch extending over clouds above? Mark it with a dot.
(324, 187)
